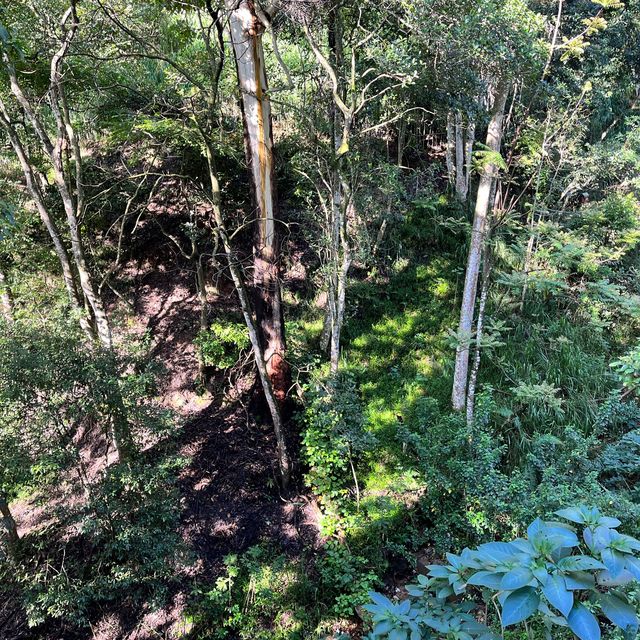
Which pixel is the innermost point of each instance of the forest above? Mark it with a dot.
(319, 319)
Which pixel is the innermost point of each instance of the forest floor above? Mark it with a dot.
(229, 495)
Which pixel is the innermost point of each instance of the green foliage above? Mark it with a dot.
(628, 369)
(334, 438)
(547, 575)
(259, 596)
(222, 344)
(345, 578)
(126, 548)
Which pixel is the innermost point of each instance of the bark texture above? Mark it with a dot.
(246, 35)
(487, 177)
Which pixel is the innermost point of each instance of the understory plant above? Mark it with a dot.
(559, 575)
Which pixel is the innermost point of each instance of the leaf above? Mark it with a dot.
(497, 552)
(381, 600)
(398, 634)
(519, 605)
(601, 538)
(558, 595)
(382, 627)
(620, 613)
(607, 580)
(612, 523)
(438, 571)
(579, 580)
(515, 579)
(632, 565)
(573, 514)
(486, 579)
(580, 563)
(614, 562)
(583, 623)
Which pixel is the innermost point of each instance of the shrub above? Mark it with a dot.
(222, 344)
(333, 439)
(551, 576)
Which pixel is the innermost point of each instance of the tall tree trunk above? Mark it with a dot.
(36, 194)
(487, 176)
(468, 150)
(246, 35)
(451, 148)
(6, 301)
(484, 294)
(461, 179)
(284, 462)
(9, 524)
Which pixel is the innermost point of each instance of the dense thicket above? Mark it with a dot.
(297, 297)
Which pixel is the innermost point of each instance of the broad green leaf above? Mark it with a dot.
(519, 606)
(620, 613)
(515, 579)
(486, 579)
(580, 563)
(614, 562)
(398, 634)
(558, 595)
(579, 580)
(573, 514)
(632, 565)
(583, 623)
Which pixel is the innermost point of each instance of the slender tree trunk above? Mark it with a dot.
(36, 194)
(284, 462)
(461, 179)
(487, 176)
(402, 132)
(451, 148)
(246, 34)
(468, 151)
(484, 293)
(6, 301)
(9, 524)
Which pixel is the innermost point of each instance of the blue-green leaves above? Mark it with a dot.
(519, 605)
(619, 612)
(556, 592)
(549, 576)
(583, 623)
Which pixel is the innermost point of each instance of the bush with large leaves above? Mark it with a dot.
(553, 576)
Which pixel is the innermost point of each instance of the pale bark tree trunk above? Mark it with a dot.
(487, 176)
(451, 148)
(284, 462)
(484, 294)
(36, 194)
(246, 35)
(9, 525)
(54, 152)
(6, 301)
(468, 151)
(73, 203)
(461, 178)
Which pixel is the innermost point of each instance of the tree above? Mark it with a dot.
(247, 24)
(488, 175)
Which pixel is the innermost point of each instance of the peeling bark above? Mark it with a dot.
(487, 177)
(246, 35)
